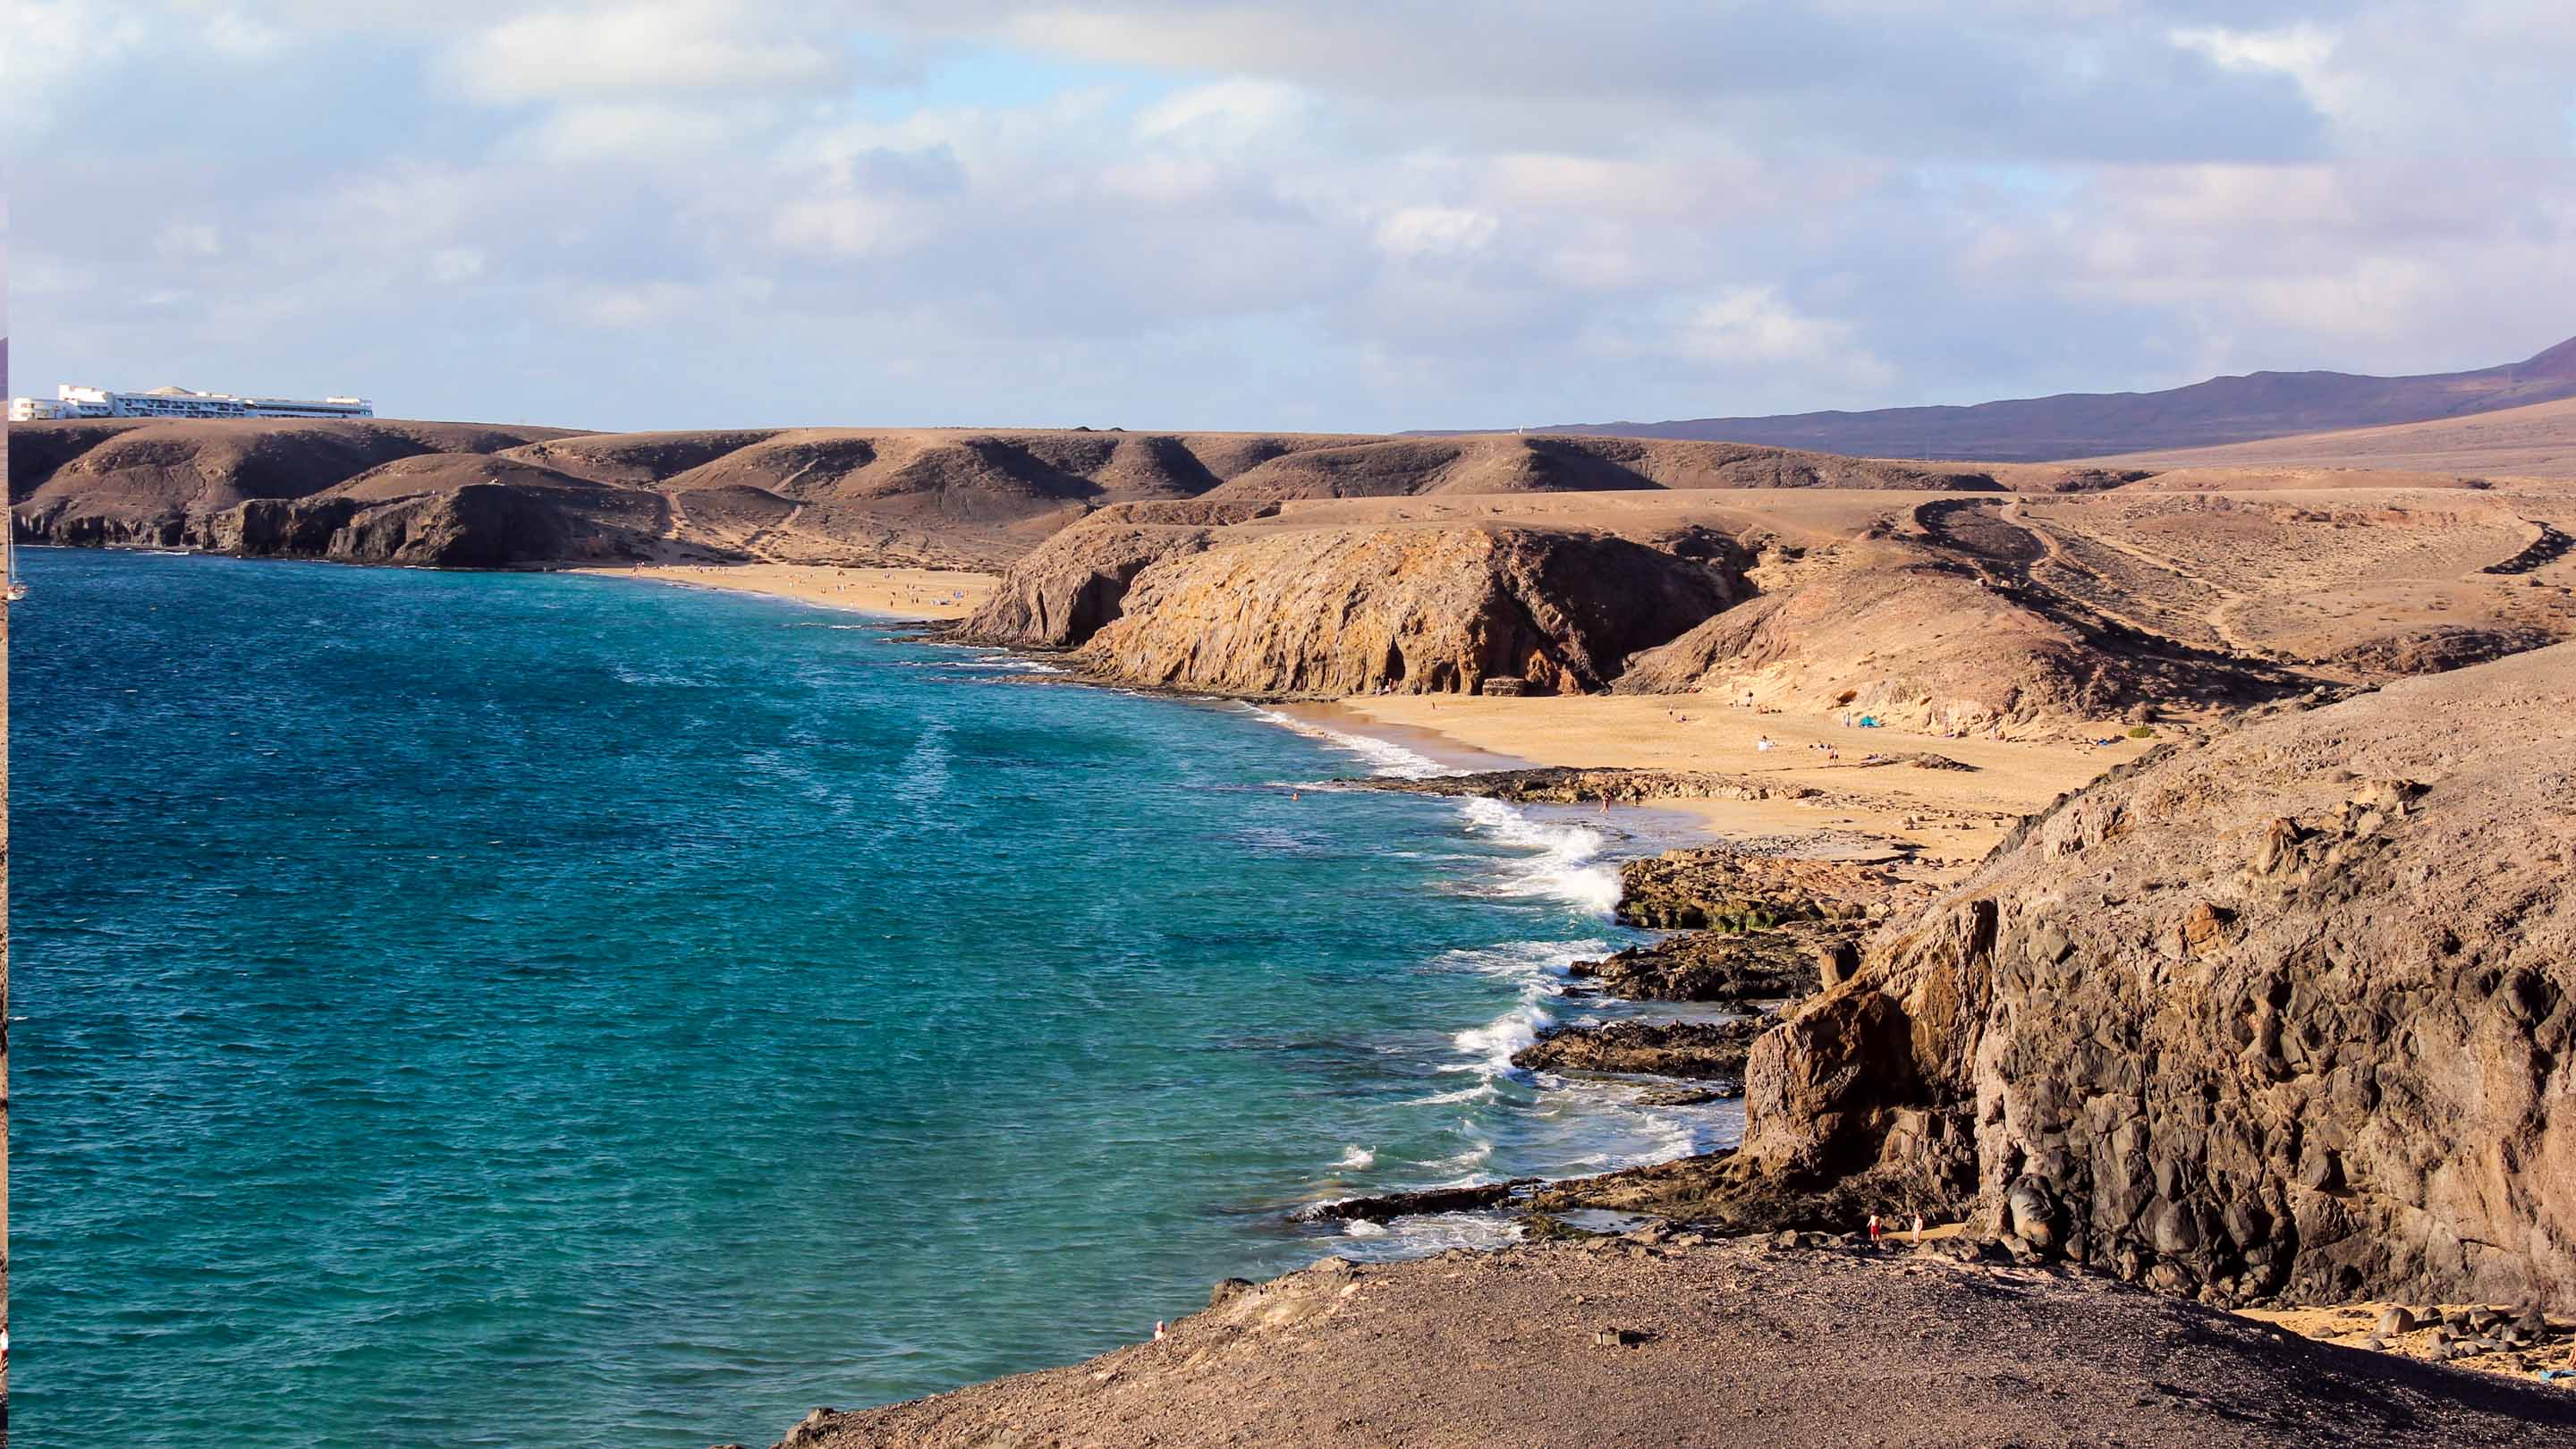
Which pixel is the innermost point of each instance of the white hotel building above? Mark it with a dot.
(73, 401)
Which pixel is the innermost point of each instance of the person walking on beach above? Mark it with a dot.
(1873, 1228)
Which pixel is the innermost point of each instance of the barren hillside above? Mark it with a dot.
(1951, 611)
(2538, 441)
(387, 491)
(2078, 425)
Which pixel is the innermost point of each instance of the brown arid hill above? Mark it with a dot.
(150, 482)
(1396, 467)
(2085, 425)
(2498, 448)
(1281, 564)
(941, 497)
(2284, 1014)
(1948, 611)
(1672, 1341)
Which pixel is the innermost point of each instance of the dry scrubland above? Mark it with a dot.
(2280, 1011)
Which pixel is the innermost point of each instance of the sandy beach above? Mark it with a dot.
(888, 592)
(1954, 814)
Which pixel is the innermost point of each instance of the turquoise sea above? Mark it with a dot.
(534, 1010)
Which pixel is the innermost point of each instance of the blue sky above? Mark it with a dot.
(1332, 215)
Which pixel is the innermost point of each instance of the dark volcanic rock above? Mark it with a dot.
(1727, 889)
(1386, 1206)
(1762, 965)
(1562, 785)
(1701, 1050)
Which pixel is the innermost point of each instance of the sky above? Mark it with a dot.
(1355, 215)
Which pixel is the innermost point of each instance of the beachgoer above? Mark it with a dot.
(1873, 1227)
(1763, 743)
(1159, 1330)
(1918, 1227)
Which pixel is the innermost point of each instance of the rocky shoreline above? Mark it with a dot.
(2262, 1020)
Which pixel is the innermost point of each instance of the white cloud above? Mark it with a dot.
(1436, 231)
(55, 45)
(1755, 324)
(624, 50)
(184, 240)
(1342, 213)
(845, 226)
(1226, 116)
(453, 265)
(650, 132)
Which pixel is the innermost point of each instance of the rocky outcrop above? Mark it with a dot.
(2287, 1013)
(1698, 1050)
(1074, 583)
(1563, 785)
(2437, 650)
(1722, 887)
(1284, 611)
(1757, 965)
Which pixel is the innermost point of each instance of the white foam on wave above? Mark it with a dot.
(1422, 1236)
(1565, 860)
(1537, 968)
(1477, 1093)
(1357, 1159)
(1385, 758)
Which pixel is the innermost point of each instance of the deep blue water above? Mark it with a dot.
(535, 1010)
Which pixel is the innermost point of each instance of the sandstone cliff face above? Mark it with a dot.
(1429, 610)
(2288, 1013)
(1074, 583)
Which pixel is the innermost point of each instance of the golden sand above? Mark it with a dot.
(1950, 813)
(891, 593)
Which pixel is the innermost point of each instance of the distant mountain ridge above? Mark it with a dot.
(2084, 425)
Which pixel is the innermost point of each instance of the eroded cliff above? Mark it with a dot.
(1356, 611)
(2291, 1012)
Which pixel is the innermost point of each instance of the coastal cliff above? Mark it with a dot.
(1289, 611)
(2289, 1013)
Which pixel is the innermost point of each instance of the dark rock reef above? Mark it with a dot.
(1782, 963)
(1692, 1050)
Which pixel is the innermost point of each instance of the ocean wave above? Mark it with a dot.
(1386, 758)
(1565, 863)
(1477, 1093)
(1357, 1159)
(1420, 1237)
